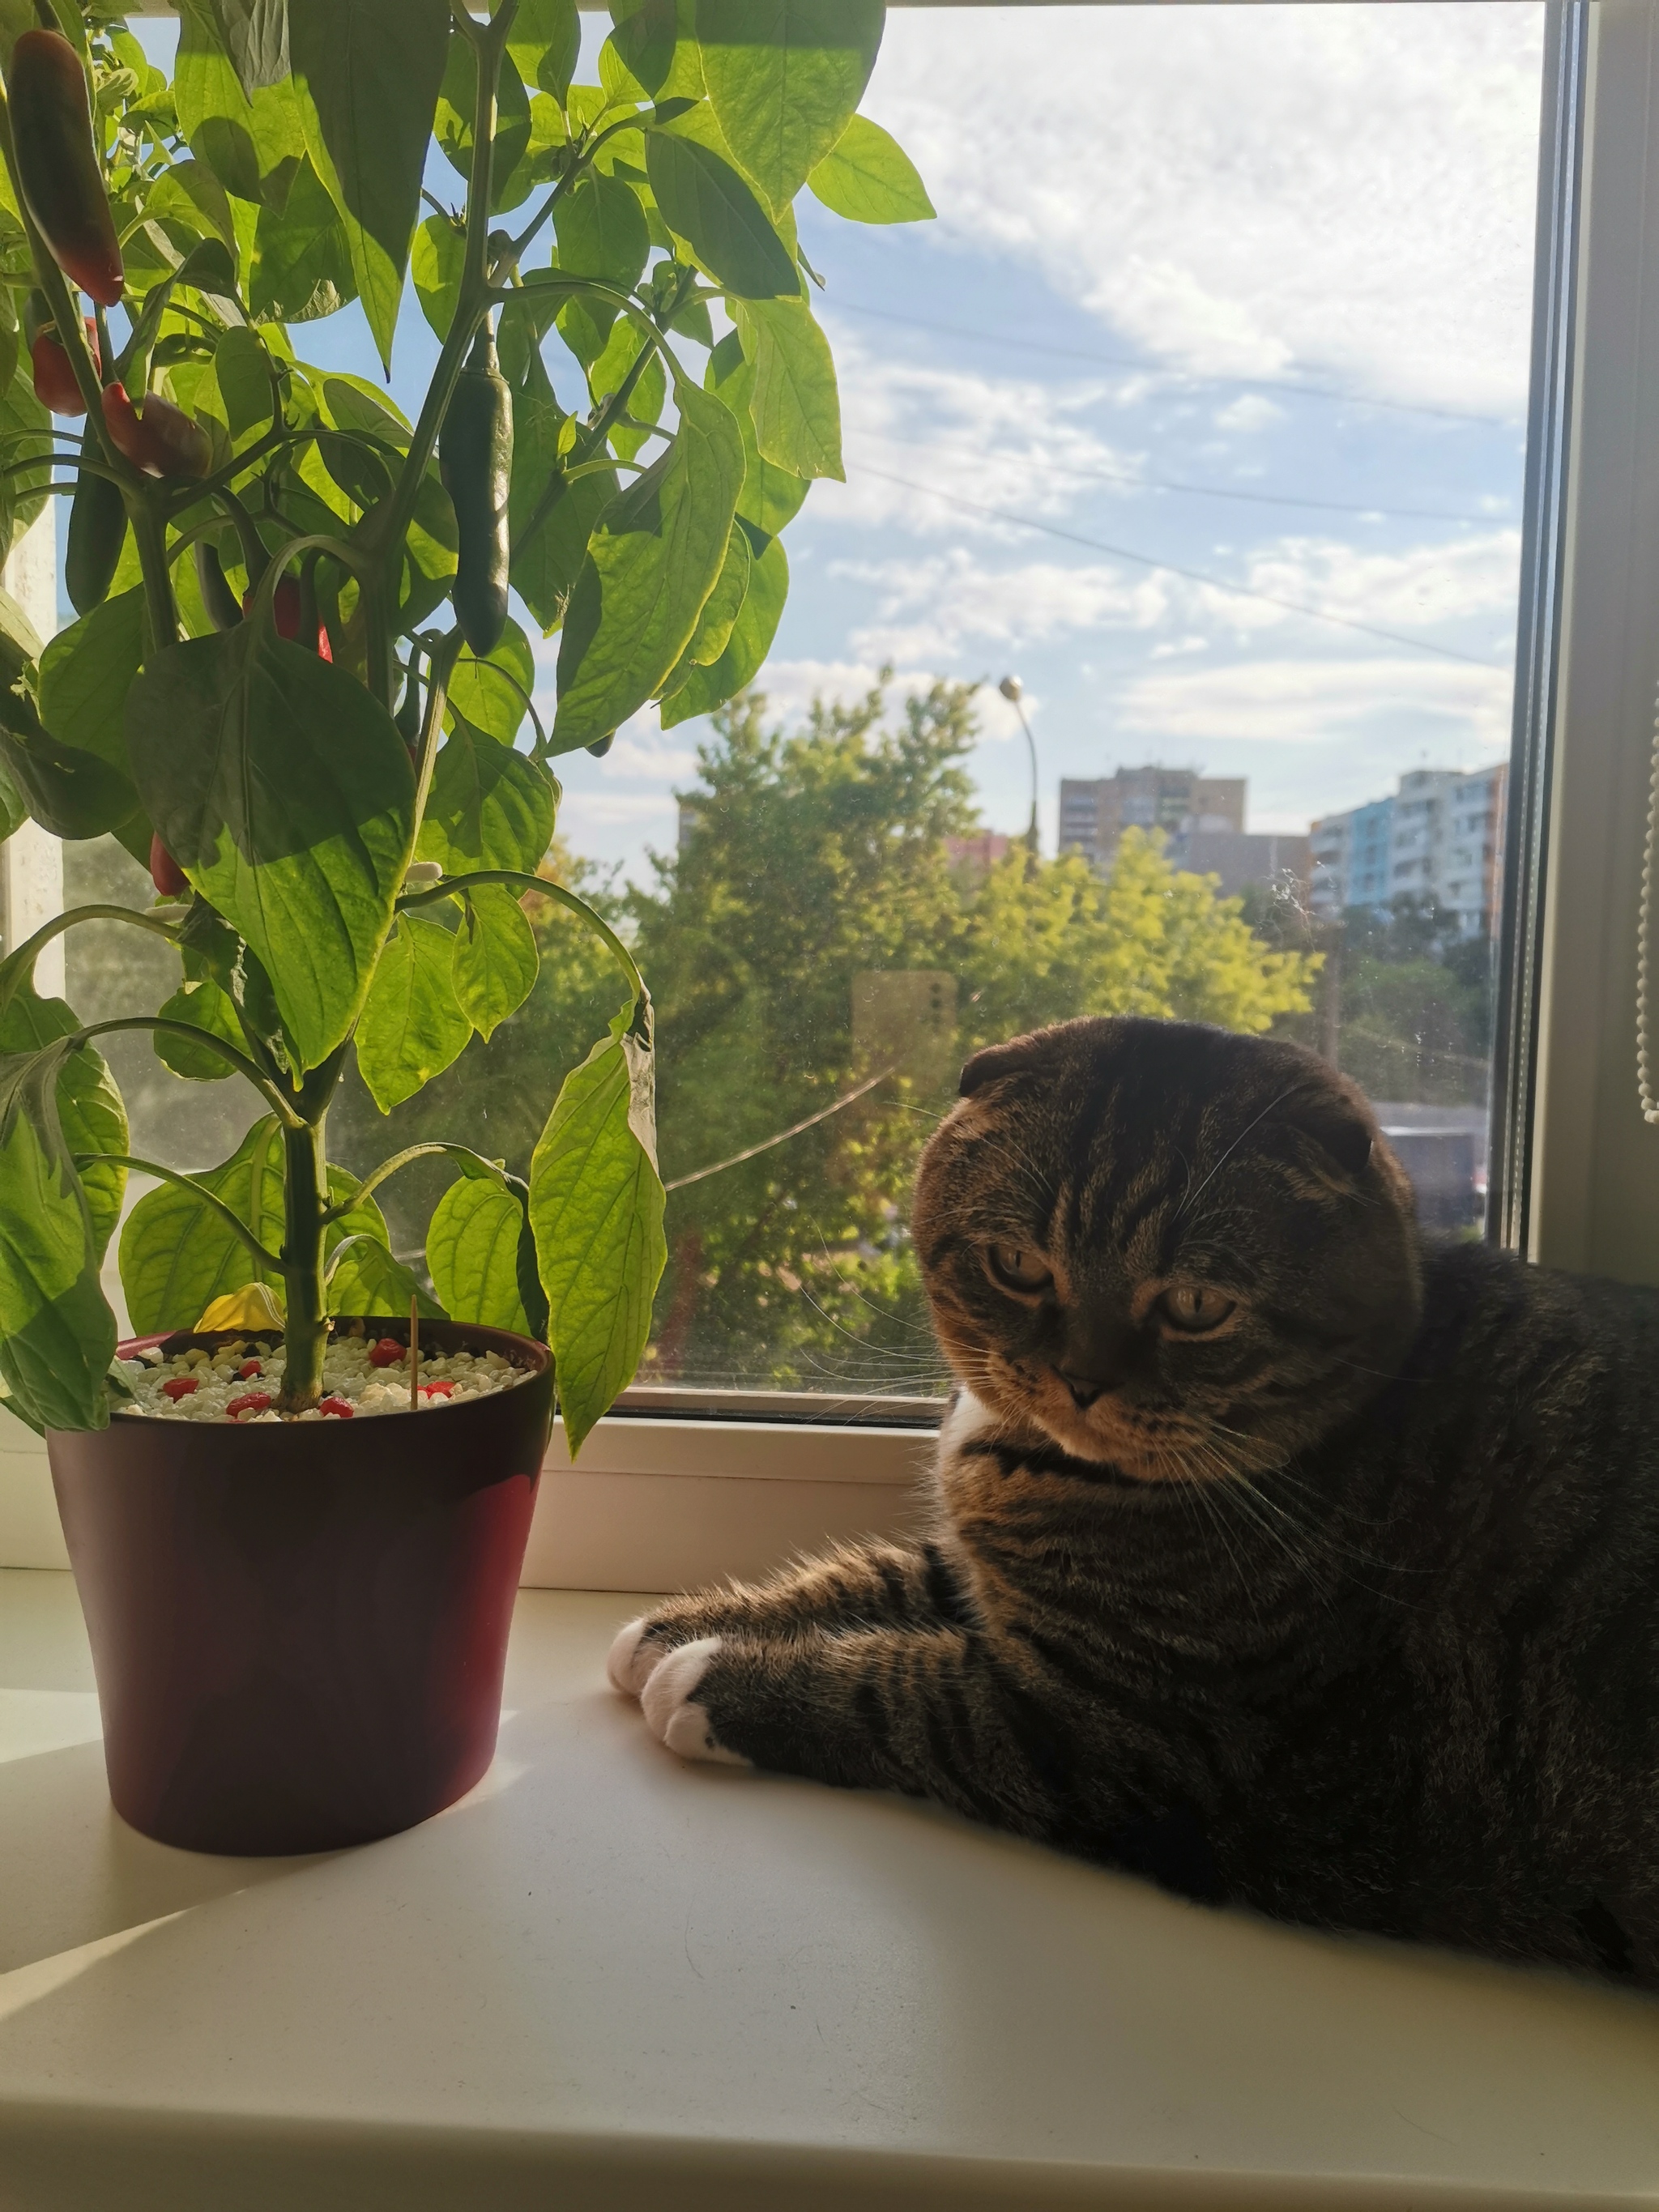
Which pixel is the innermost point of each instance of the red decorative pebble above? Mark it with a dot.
(443, 1387)
(180, 1387)
(386, 1353)
(342, 1408)
(251, 1402)
(247, 1370)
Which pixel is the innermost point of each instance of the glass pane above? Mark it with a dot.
(1200, 410)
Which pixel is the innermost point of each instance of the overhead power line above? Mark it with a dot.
(1205, 492)
(1276, 385)
(1176, 569)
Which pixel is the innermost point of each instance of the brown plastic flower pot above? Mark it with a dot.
(299, 1630)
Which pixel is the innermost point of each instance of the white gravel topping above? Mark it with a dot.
(362, 1375)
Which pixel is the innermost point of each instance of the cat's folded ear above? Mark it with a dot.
(1341, 1126)
(1018, 1057)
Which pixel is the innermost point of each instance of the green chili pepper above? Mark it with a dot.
(57, 163)
(408, 716)
(475, 459)
(223, 610)
(97, 531)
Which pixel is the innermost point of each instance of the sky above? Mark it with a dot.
(1224, 319)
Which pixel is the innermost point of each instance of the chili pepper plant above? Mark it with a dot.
(295, 689)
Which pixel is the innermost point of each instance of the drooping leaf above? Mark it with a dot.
(256, 39)
(544, 41)
(724, 604)
(301, 256)
(472, 1253)
(85, 675)
(596, 1208)
(411, 1026)
(796, 404)
(867, 177)
(177, 1254)
(746, 649)
(435, 263)
(707, 202)
(367, 73)
(252, 145)
(190, 197)
(282, 787)
(367, 1278)
(490, 694)
(13, 813)
(651, 564)
(57, 1332)
(91, 1110)
(495, 959)
(784, 77)
(242, 370)
(489, 806)
(771, 496)
(549, 522)
(205, 1006)
(68, 791)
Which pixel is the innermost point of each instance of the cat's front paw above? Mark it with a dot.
(672, 1712)
(632, 1654)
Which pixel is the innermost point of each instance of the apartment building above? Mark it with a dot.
(1094, 814)
(1439, 838)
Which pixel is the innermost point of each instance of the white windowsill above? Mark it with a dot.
(609, 1980)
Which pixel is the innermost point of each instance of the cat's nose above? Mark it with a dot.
(1085, 1388)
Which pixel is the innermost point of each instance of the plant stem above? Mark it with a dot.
(149, 533)
(231, 1220)
(305, 1201)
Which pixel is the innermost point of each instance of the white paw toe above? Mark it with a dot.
(671, 1713)
(631, 1659)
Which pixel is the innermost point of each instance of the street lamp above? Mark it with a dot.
(1014, 691)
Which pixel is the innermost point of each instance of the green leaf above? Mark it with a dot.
(254, 147)
(13, 813)
(771, 496)
(489, 806)
(177, 1255)
(454, 122)
(89, 1107)
(548, 559)
(869, 178)
(602, 235)
(746, 649)
(645, 401)
(282, 787)
(704, 201)
(366, 1279)
(784, 77)
(68, 790)
(435, 263)
(367, 74)
(472, 1253)
(596, 1208)
(190, 195)
(722, 606)
(544, 42)
(242, 369)
(411, 1026)
(495, 959)
(301, 255)
(651, 564)
(797, 407)
(57, 1332)
(481, 695)
(651, 57)
(208, 1007)
(86, 674)
(256, 39)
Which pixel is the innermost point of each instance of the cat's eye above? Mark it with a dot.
(1019, 1268)
(1194, 1308)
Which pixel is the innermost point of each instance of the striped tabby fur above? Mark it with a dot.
(1274, 1554)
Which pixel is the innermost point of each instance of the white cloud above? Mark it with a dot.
(1308, 702)
(1335, 193)
(931, 609)
(1249, 412)
(636, 759)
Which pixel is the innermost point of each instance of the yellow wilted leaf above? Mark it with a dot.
(254, 1306)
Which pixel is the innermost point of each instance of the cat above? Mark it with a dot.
(1276, 1551)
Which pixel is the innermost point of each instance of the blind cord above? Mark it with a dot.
(1649, 858)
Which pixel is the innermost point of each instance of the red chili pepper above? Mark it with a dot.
(180, 1386)
(165, 873)
(248, 1369)
(55, 386)
(285, 605)
(386, 1353)
(443, 1387)
(162, 441)
(341, 1408)
(58, 163)
(251, 1402)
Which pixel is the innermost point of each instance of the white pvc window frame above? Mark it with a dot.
(661, 1500)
